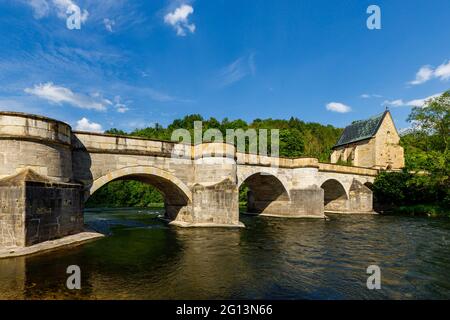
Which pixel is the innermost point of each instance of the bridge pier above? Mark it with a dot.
(214, 193)
(358, 200)
(301, 203)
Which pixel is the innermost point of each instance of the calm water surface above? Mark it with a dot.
(143, 258)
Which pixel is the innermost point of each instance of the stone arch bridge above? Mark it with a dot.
(48, 171)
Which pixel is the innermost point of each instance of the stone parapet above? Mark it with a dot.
(328, 167)
(266, 161)
(33, 127)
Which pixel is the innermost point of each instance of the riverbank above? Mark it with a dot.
(420, 210)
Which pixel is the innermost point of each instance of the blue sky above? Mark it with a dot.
(135, 63)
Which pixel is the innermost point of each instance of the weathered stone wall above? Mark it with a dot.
(28, 141)
(51, 160)
(216, 204)
(388, 152)
(12, 216)
(52, 211)
(34, 212)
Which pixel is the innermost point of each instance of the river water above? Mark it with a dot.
(273, 258)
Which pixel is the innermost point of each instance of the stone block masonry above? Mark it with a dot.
(48, 172)
(33, 209)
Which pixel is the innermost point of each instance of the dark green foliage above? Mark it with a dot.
(116, 132)
(125, 194)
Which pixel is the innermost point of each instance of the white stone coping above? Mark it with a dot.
(34, 127)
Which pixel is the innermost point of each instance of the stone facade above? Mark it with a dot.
(48, 172)
(33, 209)
(380, 150)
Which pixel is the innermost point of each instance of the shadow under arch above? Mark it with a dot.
(263, 189)
(334, 194)
(177, 195)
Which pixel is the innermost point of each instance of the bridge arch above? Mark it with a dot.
(177, 196)
(162, 180)
(335, 196)
(264, 190)
(244, 177)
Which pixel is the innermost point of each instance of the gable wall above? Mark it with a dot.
(387, 148)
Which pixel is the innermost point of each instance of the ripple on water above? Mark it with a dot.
(144, 258)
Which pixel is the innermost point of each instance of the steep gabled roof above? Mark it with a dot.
(361, 130)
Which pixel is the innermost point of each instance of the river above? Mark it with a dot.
(272, 258)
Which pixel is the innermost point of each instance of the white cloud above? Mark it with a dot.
(338, 107)
(368, 96)
(59, 94)
(178, 19)
(411, 103)
(421, 102)
(85, 125)
(109, 24)
(120, 107)
(237, 70)
(443, 71)
(42, 8)
(423, 75)
(394, 103)
(427, 73)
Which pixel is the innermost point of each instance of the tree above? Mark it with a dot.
(433, 119)
(426, 179)
(116, 132)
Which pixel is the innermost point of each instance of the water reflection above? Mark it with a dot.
(143, 258)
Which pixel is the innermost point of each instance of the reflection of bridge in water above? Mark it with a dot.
(48, 172)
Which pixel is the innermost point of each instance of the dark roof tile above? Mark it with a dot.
(361, 130)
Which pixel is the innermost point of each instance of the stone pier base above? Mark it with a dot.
(34, 209)
(359, 200)
(303, 203)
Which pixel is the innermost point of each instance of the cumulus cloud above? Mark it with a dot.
(427, 73)
(42, 8)
(423, 75)
(338, 107)
(443, 71)
(85, 125)
(179, 19)
(412, 103)
(59, 94)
